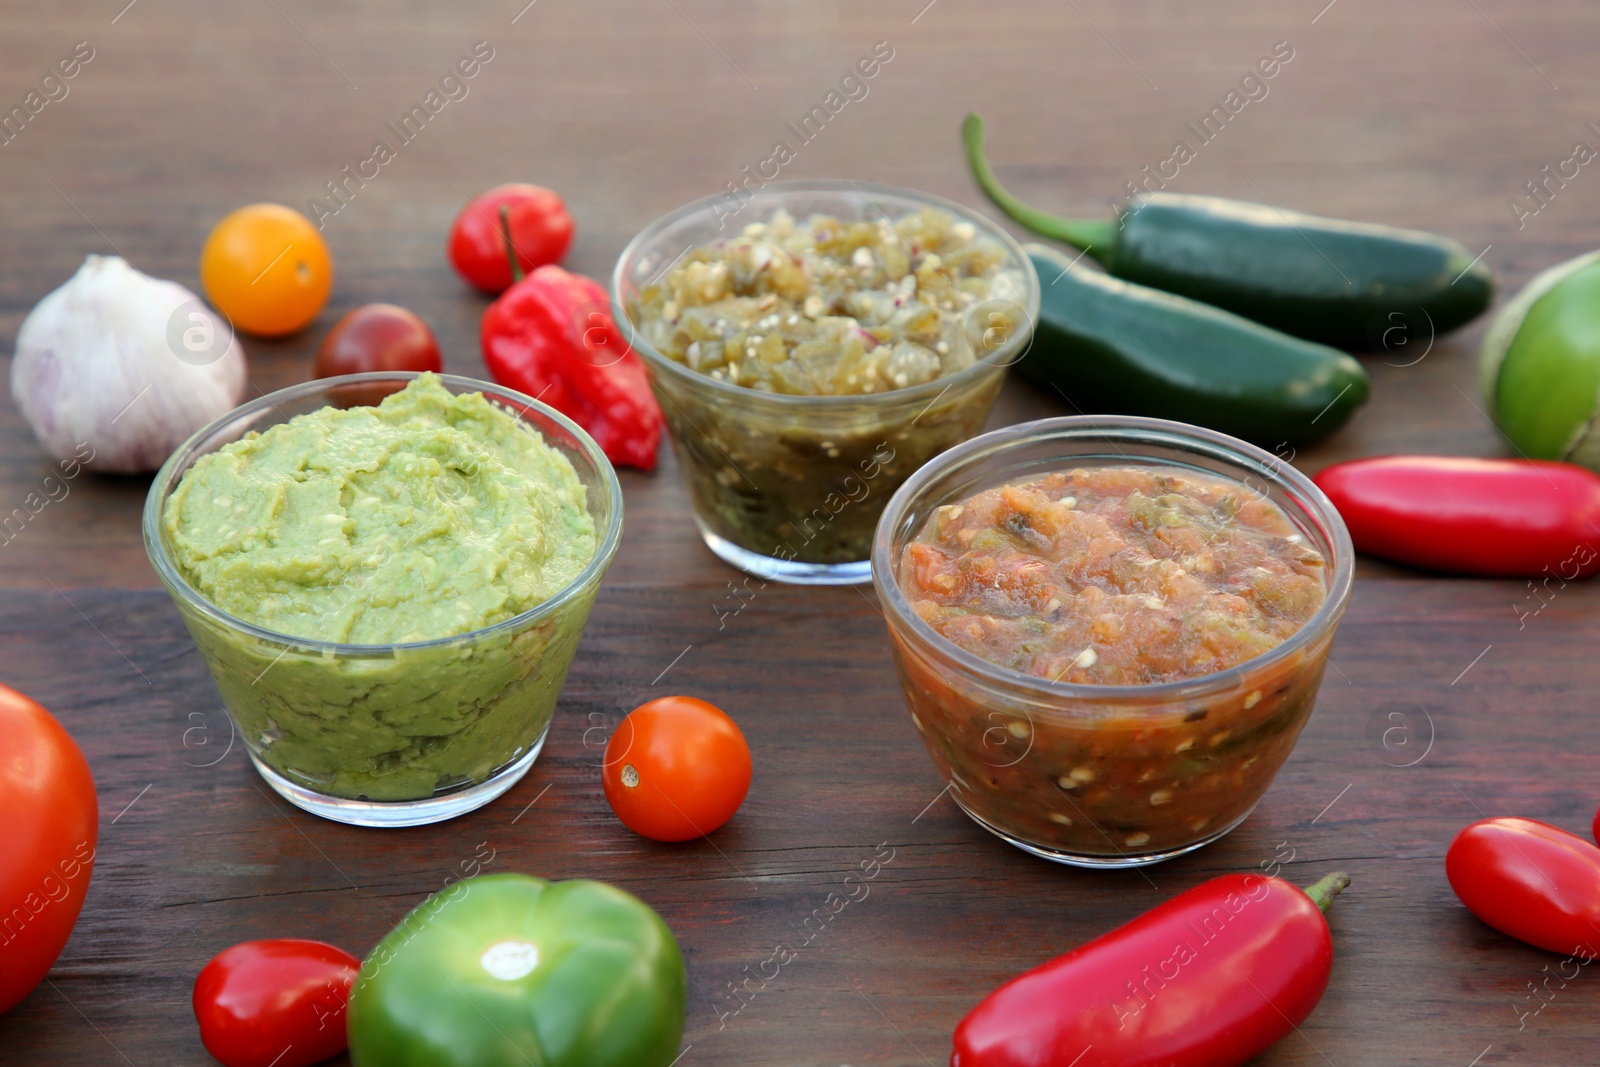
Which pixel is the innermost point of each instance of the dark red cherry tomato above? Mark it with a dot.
(541, 229)
(377, 337)
(278, 1003)
(1531, 880)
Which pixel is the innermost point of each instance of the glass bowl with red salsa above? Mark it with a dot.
(1110, 630)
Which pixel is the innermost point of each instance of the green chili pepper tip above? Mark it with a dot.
(1094, 236)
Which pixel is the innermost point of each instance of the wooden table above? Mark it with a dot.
(1429, 114)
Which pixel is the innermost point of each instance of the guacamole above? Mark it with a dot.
(426, 517)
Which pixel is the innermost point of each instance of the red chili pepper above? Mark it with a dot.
(1531, 880)
(277, 1003)
(551, 336)
(1211, 978)
(1507, 517)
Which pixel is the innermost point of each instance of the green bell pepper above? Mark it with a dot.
(506, 970)
(1325, 280)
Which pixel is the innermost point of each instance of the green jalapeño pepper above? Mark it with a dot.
(1109, 345)
(1339, 283)
(505, 970)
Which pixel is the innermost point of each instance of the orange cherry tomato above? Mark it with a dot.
(267, 269)
(676, 769)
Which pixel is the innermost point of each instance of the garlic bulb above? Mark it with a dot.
(127, 364)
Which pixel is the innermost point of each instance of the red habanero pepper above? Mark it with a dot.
(1501, 517)
(551, 336)
(1531, 880)
(1211, 978)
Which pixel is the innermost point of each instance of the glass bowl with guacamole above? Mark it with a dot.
(811, 344)
(1110, 630)
(387, 575)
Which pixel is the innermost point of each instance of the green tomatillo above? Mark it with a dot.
(1540, 366)
(506, 970)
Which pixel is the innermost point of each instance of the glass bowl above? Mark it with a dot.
(785, 487)
(1102, 775)
(403, 734)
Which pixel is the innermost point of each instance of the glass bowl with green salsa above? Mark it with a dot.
(1110, 630)
(387, 576)
(811, 344)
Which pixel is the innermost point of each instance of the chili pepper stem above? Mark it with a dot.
(1093, 236)
(1322, 894)
(517, 273)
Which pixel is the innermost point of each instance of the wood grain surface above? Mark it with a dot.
(1431, 114)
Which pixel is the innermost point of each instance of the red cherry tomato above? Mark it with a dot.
(278, 1003)
(676, 769)
(377, 337)
(541, 229)
(1531, 880)
(51, 822)
(1594, 831)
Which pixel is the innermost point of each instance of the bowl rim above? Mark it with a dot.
(176, 583)
(1004, 356)
(1136, 429)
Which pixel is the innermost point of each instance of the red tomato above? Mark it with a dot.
(377, 337)
(676, 769)
(541, 229)
(1531, 880)
(278, 1003)
(52, 822)
(1594, 831)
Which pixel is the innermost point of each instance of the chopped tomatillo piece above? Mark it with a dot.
(827, 307)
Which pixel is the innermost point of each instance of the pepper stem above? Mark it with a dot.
(1094, 236)
(1323, 892)
(517, 273)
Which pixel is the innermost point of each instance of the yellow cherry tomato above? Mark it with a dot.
(266, 268)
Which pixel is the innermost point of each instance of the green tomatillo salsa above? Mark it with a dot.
(863, 312)
(429, 516)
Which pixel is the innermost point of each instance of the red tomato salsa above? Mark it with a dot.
(1115, 575)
